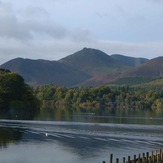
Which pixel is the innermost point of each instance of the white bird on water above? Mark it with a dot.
(46, 134)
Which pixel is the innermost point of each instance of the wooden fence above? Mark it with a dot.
(154, 157)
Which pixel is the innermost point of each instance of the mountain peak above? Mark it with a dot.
(90, 51)
(93, 61)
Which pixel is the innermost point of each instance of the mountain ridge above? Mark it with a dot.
(45, 72)
(87, 67)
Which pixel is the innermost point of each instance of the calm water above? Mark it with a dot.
(83, 138)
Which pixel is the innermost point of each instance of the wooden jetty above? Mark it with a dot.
(154, 157)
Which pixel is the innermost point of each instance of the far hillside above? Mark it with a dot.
(152, 68)
(149, 72)
(41, 72)
(130, 61)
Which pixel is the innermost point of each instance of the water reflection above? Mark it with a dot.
(77, 135)
(75, 141)
(8, 136)
(94, 116)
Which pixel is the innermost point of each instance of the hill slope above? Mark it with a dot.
(130, 61)
(150, 71)
(45, 72)
(152, 68)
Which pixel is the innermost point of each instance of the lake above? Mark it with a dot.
(81, 138)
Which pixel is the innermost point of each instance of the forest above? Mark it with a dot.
(110, 99)
(19, 100)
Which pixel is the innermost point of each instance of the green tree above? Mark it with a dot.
(16, 97)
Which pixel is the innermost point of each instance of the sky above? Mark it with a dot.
(53, 29)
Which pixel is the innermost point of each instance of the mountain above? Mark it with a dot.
(152, 68)
(45, 72)
(150, 71)
(102, 67)
(130, 61)
(94, 62)
(87, 67)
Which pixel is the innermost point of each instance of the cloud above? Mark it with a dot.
(35, 31)
(32, 12)
(155, 1)
(10, 26)
(53, 49)
(36, 23)
(29, 24)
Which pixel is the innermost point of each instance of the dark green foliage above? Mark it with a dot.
(104, 98)
(16, 97)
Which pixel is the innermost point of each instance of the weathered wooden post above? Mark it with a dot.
(139, 159)
(134, 158)
(117, 160)
(144, 159)
(154, 158)
(124, 160)
(111, 158)
(147, 156)
(150, 159)
(160, 151)
(128, 159)
(161, 154)
(159, 158)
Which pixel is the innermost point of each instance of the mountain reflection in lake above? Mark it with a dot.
(71, 142)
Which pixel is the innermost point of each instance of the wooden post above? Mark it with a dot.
(111, 158)
(159, 157)
(123, 159)
(128, 159)
(154, 158)
(152, 154)
(144, 160)
(117, 160)
(150, 159)
(103, 162)
(161, 154)
(139, 160)
(134, 158)
(147, 156)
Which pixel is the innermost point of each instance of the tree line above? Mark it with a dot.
(104, 98)
(18, 100)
